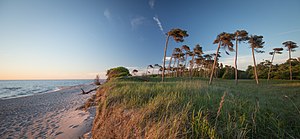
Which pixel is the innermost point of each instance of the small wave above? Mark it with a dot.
(45, 91)
(16, 96)
(21, 94)
(12, 88)
(34, 90)
(56, 89)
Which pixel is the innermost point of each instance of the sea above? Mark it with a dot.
(20, 88)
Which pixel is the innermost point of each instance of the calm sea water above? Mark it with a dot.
(19, 88)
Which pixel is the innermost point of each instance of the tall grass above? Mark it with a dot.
(184, 108)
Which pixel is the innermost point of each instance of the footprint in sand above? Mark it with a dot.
(58, 133)
(73, 126)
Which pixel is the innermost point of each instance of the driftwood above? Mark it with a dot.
(83, 92)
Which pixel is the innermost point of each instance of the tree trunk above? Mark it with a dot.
(215, 61)
(175, 60)
(235, 61)
(182, 69)
(216, 71)
(177, 69)
(186, 59)
(164, 61)
(169, 68)
(152, 70)
(197, 70)
(186, 56)
(290, 60)
(192, 66)
(255, 72)
(271, 66)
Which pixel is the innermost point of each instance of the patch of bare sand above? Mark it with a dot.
(76, 124)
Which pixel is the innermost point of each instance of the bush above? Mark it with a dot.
(117, 72)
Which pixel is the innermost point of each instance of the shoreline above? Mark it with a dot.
(48, 115)
(56, 89)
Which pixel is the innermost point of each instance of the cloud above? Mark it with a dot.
(167, 59)
(151, 3)
(132, 68)
(210, 52)
(137, 21)
(288, 32)
(107, 14)
(159, 24)
(141, 70)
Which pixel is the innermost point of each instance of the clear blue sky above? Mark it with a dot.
(57, 39)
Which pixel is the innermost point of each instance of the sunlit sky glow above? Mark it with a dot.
(77, 39)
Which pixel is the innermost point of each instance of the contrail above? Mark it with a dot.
(159, 24)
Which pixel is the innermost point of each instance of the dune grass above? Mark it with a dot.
(190, 108)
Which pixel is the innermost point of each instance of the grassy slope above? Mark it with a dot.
(188, 108)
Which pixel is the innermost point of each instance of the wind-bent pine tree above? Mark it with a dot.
(180, 57)
(170, 61)
(178, 35)
(149, 66)
(134, 71)
(187, 50)
(256, 42)
(192, 54)
(291, 46)
(207, 63)
(224, 39)
(152, 69)
(177, 56)
(197, 51)
(156, 65)
(180, 66)
(218, 56)
(240, 35)
(159, 69)
(175, 51)
(174, 64)
(199, 61)
(275, 51)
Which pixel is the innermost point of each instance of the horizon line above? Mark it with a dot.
(41, 79)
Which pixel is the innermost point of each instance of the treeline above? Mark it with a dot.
(192, 62)
(226, 41)
(277, 71)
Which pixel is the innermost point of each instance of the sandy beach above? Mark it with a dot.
(49, 115)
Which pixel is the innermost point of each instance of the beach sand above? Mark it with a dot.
(49, 115)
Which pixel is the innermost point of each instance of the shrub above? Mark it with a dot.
(117, 72)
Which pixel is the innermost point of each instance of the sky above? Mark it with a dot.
(77, 39)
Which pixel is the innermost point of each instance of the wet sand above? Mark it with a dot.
(49, 115)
